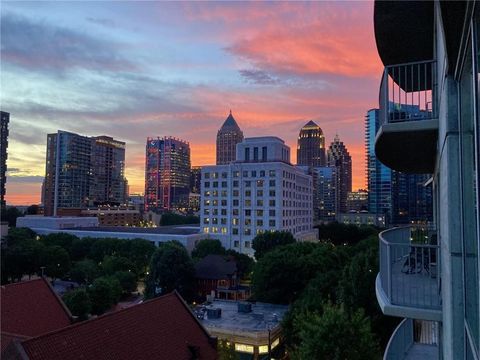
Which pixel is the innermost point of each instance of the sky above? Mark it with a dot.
(136, 69)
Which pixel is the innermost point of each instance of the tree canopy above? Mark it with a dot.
(78, 302)
(207, 247)
(171, 268)
(267, 241)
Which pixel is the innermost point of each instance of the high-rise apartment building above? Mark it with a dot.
(108, 168)
(311, 146)
(167, 174)
(228, 137)
(90, 172)
(339, 157)
(260, 191)
(430, 276)
(5, 119)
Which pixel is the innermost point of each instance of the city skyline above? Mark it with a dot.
(176, 69)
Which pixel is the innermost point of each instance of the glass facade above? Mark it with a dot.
(469, 145)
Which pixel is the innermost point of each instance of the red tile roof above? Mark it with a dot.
(162, 328)
(30, 308)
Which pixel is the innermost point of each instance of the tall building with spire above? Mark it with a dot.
(311, 146)
(339, 157)
(5, 118)
(228, 137)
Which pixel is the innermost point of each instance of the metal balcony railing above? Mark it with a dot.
(408, 92)
(409, 268)
(413, 339)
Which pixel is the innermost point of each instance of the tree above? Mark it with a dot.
(343, 234)
(21, 258)
(283, 273)
(140, 252)
(80, 248)
(78, 302)
(84, 272)
(63, 240)
(104, 292)
(16, 235)
(170, 218)
(226, 351)
(244, 262)
(171, 268)
(56, 261)
(112, 264)
(105, 247)
(333, 334)
(267, 241)
(127, 280)
(11, 214)
(207, 247)
(32, 210)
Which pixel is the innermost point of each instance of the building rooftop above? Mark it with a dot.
(262, 317)
(30, 308)
(261, 139)
(215, 267)
(168, 230)
(161, 328)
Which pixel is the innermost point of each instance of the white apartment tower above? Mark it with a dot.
(260, 191)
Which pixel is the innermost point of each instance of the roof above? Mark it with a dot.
(215, 267)
(170, 230)
(230, 123)
(161, 328)
(30, 308)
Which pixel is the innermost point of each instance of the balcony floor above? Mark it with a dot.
(417, 289)
(422, 352)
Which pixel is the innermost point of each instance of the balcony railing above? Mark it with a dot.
(409, 268)
(408, 92)
(412, 340)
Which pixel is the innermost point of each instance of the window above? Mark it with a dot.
(271, 223)
(259, 212)
(235, 192)
(247, 243)
(259, 222)
(235, 221)
(262, 173)
(215, 184)
(236, 173)
(271, 202)
(248, 222)
(206, 220)
(271, 173)
(271, 182)
(245, 174)
(271, 192)
(235, 212)
(215, 175)
(206, 193)
(248, 183)
(235, 183)
(223, 221)
(224, 202)
(236, 243)
(224, 212)
(248, 212)
(260, 183)
(224, 193)
(255, 153)
(214, 221)
(206, 175)
(215, 192)
(224, 175)
(264, 153)
(224, 184)
(247, 154)
(235, 232)
(206, 202)
(215, 202)
(248, 202)
(206, 211)
(214, 211)
(207, 184)
(254, 174)
(235, 202)
(248, 193)
(260, 193)
(259, 202)
(271, 212)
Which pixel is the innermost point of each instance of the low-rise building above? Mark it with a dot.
(115, 216)
(253, 328)
(218, 278)
(362, 218)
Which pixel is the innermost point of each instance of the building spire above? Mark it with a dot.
(230, 111)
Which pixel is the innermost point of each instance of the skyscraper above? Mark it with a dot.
(339, 157)
(91, 172)
(5, 119)
(401, 197)
(167, 173)
(228, 137)
(195, 179)
(108, 166)
(325, 191)
(68, 187)
(311, 146)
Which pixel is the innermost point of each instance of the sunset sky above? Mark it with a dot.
(135, 69)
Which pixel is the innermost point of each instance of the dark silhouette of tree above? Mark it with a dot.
(267, 241)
